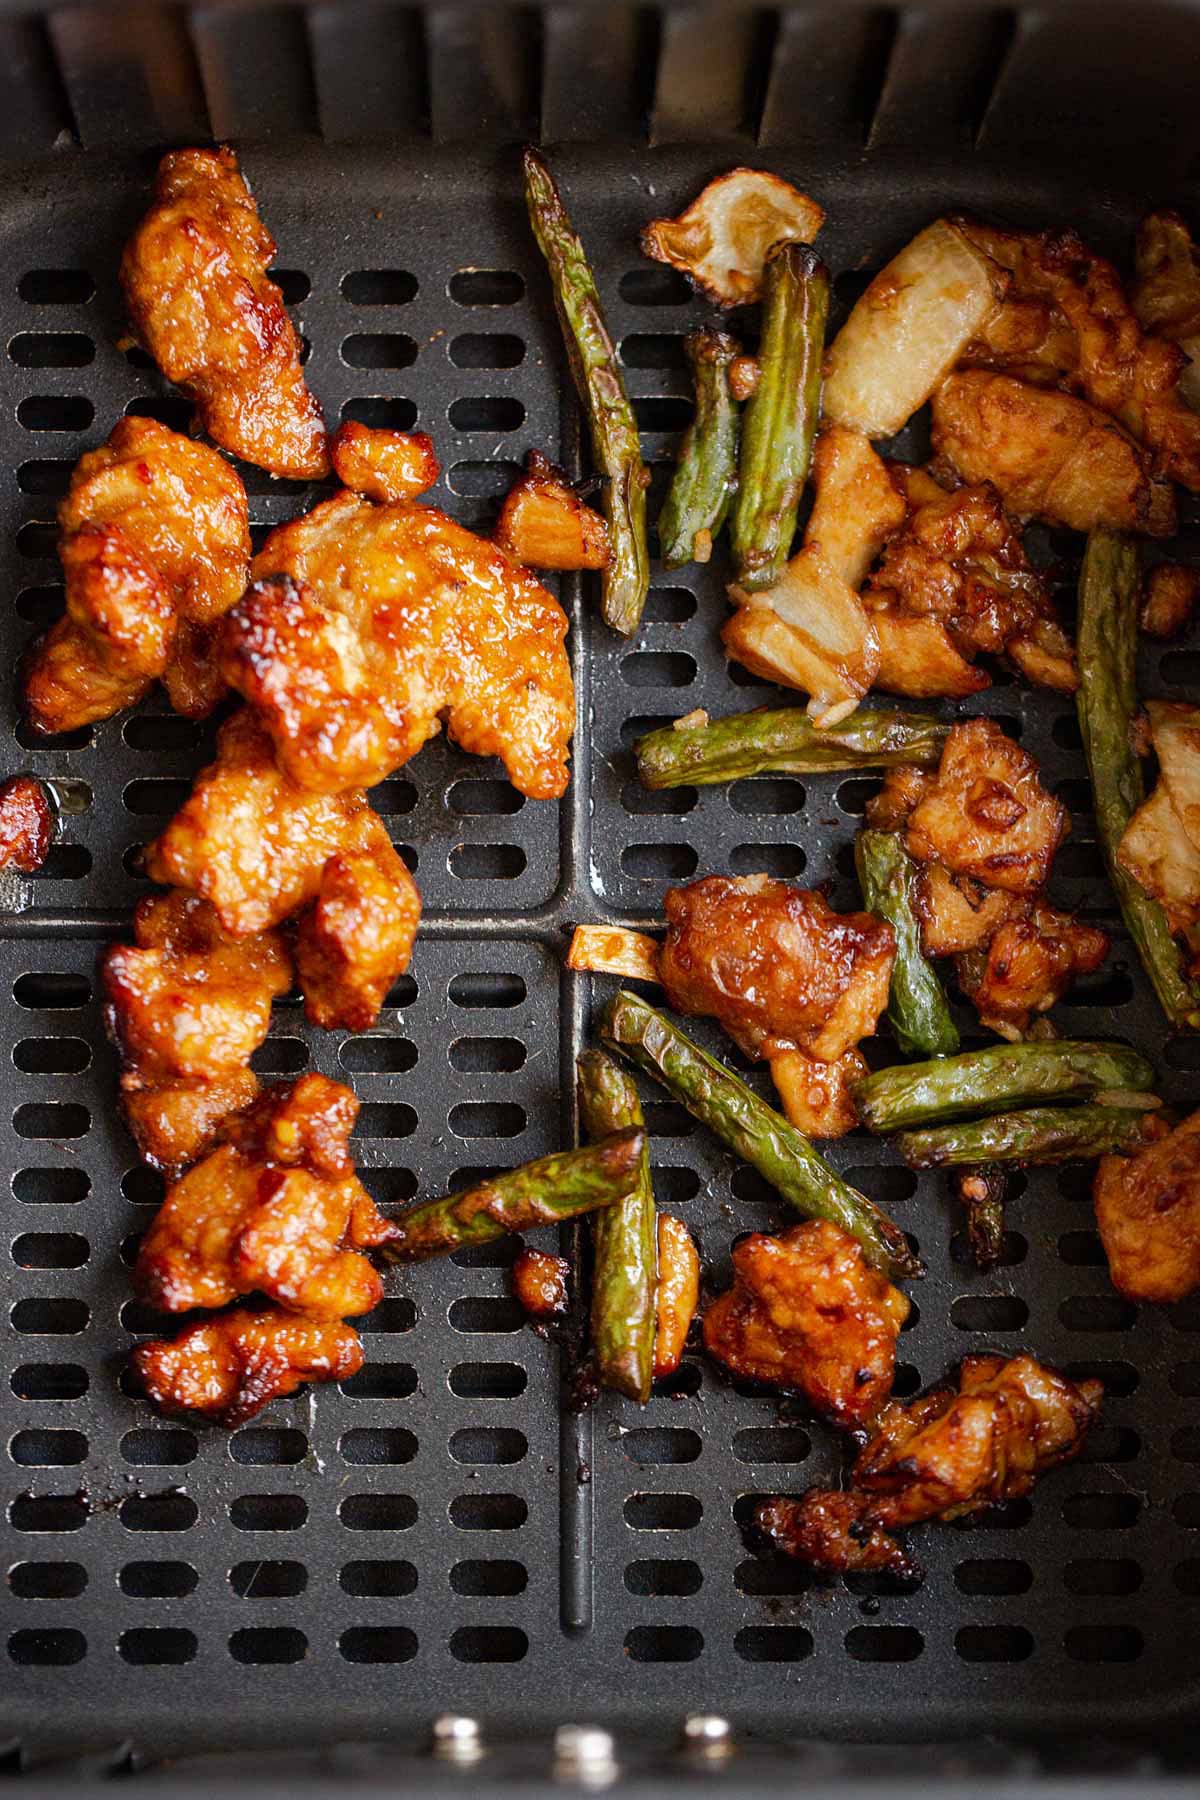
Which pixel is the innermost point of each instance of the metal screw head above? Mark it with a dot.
(584, 1753)
(457, 1738)
(707, 1734)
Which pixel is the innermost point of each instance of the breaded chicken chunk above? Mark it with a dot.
(229, 1368)
(775, 964)
(1103, 352)
(367, 625)
(194, 275)
(155, 547)
(261, 849)
(958, 572)
(187, 1006)
(383, 465)
(1148, 1214)
(986, 814)
(276, 1209)
(1048, 455)
(1028, 964)
(544, 524)
(26, 824)
(807, 1313)
(942, 1456)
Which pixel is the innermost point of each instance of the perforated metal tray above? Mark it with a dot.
(440, 1532)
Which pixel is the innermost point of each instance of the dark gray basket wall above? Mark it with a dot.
(440, 1534)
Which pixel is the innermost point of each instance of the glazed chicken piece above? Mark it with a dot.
(541, 1283)
(276, 1209)
(1048, 455)
(1148, 1214)
(818, 1096)
(155, 547)
(1028, 964)
(260, 849)
(957, 914)
(775, 964)
(953, 584)
(1166, 291)
(1095, 335)
(677, 1294)
(807, 1313)
(187, 1005)
(986, 814)
(195, 280)
(367, 624)
(229, 1368)
(26, 824)
(544, 524)
(1169, 599)
(383, 465)
(944, 1455)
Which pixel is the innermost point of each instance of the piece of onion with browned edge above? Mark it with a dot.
(678, 1292)
(608, 950)
(909, 329)
(721, 241)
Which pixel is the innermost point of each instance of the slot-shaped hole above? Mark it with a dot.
(489, 1578)
(476, 799)
(47, 1580)
(49, 1381)
(268, 1512)
(159, 1447)
(658, 668)
(157, 797)
(662, 1512)
(1103, 1643)
(482, 480)
(52, 1055)
(378, 1512)
(38, 539)
(662, 286)
(378, 1644)
(659, 862)
(487, 862)
(667, 1118)
(268, 1444)
(379, 287)
(481, 1313)
(664, 1577)
(488, 1644)
(377, 1445)
(1180, 668)
(382, 412)
(1186, 1576)
(379, 350)
(1120, 1379)
(487, 1381)
(485, 989)
(56, 412)
(1097, 1312)
(58, 1315)
(488, 1512)
(993, 1575)
(50, 991)
(56, 287)
(148, 1646)
(663, 1643)
(654, 1444)
(487, 1055)
(267, 1579)
(1185, 1444)
(487, 1119)
(783, 862)
(395, 1315)
(171, 410)
(52, 350)
(993, 1643)
(394, 798)
(642, 802)
(773, 1643)
(55, 1647)
(484, 412)
(48, 1513)
(487, 350)
(158, 1512)
(772, 1444)
(157, 732)
(989, 1312)
(280, 1056)
(1101, 1512)
(41, 606)
(389, 1187)
(486, 287)
(767, 796)
(1082, 1250)
(1102, 1575)
(381, 1381)
(1116, 1444)
(380, 1119)
(48, 1449)
(378, 1054)
(50, 1250)
(884, 1643)
(51, 1187)
(772, 1578)
(268, 1644)
(653, 350)
(367, 1579)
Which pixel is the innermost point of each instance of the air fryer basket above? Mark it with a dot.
(442, 1533)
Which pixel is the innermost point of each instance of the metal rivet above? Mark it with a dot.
(584, 1753)
(708, 1734)
(457, 1738)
